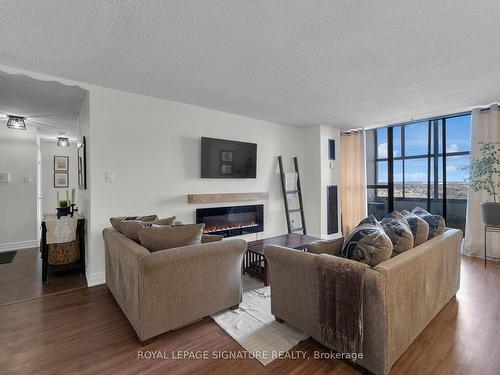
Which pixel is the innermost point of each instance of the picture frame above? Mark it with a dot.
(61, 180)
(226, 156)
(61, 163)
(226, 169)
(82, 164)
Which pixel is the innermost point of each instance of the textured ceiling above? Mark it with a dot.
(51, 107)
(342, 63)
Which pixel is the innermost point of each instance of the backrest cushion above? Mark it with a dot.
(130, 228)
(398, 230)
(367, 243)
(418, 226)
(166, 221)
(115, 221)
(436, 223)
(159, 237)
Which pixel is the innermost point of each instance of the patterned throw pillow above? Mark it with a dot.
(436, 222)
(160, 237)
(398, 230)
(418, 226)
(115, 221)
(367, 243)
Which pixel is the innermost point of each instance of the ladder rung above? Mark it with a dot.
(297, 229)
(295, 210)
(292, 191)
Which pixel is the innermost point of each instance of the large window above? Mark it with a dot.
(407, 166)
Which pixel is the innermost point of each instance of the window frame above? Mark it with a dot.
(433, 154)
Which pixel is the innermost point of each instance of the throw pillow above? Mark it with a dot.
(398, 230)
(418, 226)
(160, 237)
(367, 243)
(436, 222)
(115, 221)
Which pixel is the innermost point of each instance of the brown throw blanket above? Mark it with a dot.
(341, 303)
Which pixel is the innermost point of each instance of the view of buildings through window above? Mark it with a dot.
(408, 166)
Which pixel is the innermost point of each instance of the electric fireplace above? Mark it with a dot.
(232, 220)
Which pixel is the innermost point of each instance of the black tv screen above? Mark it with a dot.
(221, 158)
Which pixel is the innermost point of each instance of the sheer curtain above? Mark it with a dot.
(353, 183)
(485, 127)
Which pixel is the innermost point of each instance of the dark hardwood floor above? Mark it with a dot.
(85, 332)
(22, 278)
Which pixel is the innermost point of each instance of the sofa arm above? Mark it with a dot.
(124, 259)
(294, 286)
(332, 247)
(418, 284)
(184, 284)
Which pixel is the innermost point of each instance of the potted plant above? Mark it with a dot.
(485, 176)
(64, 209)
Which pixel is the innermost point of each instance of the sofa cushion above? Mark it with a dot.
(115, 221)
(436, 223)
(159, 237)
(130, 228)
(398, 230)
(165, 221)
(418, 226)
(331, 246)
(368, 243)
(206, 238)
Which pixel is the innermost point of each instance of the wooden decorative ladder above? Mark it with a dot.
(296, 192)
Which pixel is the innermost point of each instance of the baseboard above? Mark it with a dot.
(18, 245)
(96, 278)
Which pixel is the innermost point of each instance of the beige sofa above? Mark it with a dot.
(401, 295)
(168, 289)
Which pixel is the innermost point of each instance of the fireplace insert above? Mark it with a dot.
(232, 220)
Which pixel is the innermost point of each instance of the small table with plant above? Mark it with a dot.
(62, 244)
(485, 177)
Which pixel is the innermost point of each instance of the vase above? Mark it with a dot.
(490, 212)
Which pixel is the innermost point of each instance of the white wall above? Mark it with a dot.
(18, 199)
(49, 149)
(152, 147)
(317, 175)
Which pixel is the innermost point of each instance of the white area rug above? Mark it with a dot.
(253, 326)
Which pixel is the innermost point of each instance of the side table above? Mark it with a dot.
(492, 229)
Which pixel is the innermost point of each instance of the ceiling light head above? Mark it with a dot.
(16, 122)
(63, 141)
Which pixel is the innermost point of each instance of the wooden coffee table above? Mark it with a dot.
(255, 263)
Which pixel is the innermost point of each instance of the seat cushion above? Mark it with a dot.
(115, 221)
(159, 237)
(368, 243)
(436, 222)
(398, 230)
(418, 226)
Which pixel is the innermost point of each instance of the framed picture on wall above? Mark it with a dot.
(61, 163)
(61, 180)
(82, 164)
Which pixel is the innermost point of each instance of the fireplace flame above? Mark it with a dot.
(228, 226)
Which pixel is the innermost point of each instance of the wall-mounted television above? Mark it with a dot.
(222, 158)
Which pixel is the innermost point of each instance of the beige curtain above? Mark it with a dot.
(485, 127)
(353, 183)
